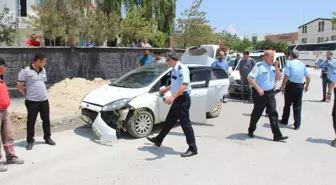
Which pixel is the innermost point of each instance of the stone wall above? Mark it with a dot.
(64, 62)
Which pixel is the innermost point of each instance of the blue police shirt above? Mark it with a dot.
(264, 75)
(145, 60)
(330, 66)
(180, 74)
(221, 64)
(296, 71)
(324, 66)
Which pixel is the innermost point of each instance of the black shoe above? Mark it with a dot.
(282, 123)
(189, 153)
(250, 134)
(50, 142)
(154, 140)
(281, 138)
(30, 145)
(296, 128)
(323, 100)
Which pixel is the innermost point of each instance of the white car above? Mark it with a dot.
(235, 86)
(132, 102)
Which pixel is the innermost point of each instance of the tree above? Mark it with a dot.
(71, 18)
(192, 27)
(230, 40)
(268, 44)
(334, 18)
(136, 27)
(243, 45)
(8, 27)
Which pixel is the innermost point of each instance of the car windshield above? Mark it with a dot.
(231, 63)
(141, 76)
(256, 58)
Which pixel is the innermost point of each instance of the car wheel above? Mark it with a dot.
(140, 123)
(215, 112)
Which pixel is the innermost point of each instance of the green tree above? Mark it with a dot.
(8, 27)
(334, 18)
(192, 28)
(230, 40)
(67, 19)
(136, 27)
(243, 45)
(268, 44)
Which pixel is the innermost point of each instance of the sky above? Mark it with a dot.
(261, 17)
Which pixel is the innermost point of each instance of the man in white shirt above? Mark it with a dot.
(145, 44)
(157, 58)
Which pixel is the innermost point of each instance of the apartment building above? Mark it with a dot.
(317, 31)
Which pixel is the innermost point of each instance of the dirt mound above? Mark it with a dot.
(65, 96)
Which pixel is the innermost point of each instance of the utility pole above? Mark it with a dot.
(18, 14)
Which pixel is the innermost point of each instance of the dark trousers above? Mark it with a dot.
(334, 111)
(260, 102)
(293, 95)
(33, 109)
(325, 84)
(179, 111)
(243, 82)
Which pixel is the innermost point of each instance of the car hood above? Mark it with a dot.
(107, 94)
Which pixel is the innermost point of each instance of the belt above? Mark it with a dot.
(294, 83)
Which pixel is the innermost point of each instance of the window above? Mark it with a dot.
(23, 6)
(322, 26)
(217, 74)
(317, 47)
(319, 27)
(304, 29)
(320, 40)
(199, 77)
(333, 37)
(304, 40)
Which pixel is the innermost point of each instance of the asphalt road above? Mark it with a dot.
(226, 155)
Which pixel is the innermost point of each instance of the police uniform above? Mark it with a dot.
(296, 72)
(179, 109)
(325, 80)
(264, 75)
(331, 74)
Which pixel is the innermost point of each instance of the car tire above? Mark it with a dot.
(215, 112)
(140, 123)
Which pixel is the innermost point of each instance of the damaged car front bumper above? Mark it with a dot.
(104, 124)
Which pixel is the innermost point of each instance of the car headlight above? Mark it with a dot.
(116, 104)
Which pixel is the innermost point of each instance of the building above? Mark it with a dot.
(317, 31)
(289, 38)
(21, 9)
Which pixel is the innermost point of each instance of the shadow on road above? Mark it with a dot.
(23, 144)
(319, 141)
(244, 137)
(313, 101)
(159, 153)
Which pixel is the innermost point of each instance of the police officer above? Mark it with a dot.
(292, 86)
(262, 78)
(180, 89)
(325, 79)
(331, 67)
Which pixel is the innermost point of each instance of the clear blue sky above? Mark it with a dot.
(262, 16)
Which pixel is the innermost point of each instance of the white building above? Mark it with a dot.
(317, 31)
(20, 8)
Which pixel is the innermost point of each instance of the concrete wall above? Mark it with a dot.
(64, 62)
(313, 33)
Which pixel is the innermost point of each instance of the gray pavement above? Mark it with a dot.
(226, 155)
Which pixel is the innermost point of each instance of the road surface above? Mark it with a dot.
(226, 155)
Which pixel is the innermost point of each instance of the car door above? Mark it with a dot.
(218, 86)
(199, 78)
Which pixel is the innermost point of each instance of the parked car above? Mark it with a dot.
(235, 86)
(132, 102)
